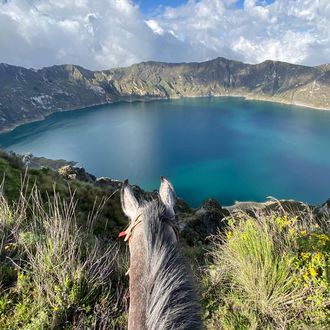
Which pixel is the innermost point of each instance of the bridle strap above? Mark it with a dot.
(127, 233)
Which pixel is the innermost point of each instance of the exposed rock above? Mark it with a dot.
(182, 207)
(76, 173)
(27, 95)
(209, 205)
(114, 185)
(207, 220)
(196, 225)
(324, 209)
(244, 206)
(288, 206)
(107, 182)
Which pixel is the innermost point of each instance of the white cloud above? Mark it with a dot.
(154, 26)
(294, 31)
(93, 33)
(106, 33)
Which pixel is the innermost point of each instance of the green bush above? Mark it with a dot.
(268, 272)
(54, 273)
(60, 267)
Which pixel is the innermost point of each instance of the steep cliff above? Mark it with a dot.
(27, 94)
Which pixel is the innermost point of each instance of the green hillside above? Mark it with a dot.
(265, 266)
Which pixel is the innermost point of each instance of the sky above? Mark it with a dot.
(150, 7)
(101, 34)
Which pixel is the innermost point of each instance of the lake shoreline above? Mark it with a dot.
(70, 171)
(153, 99)
(227, 148)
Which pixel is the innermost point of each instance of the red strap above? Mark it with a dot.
(122, 234)
(127, 233)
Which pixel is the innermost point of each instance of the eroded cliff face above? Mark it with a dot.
(27, 94)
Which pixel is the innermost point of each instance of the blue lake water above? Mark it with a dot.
(227, 148)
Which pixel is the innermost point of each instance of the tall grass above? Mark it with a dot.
(60, 267)
(258, 278)
(63, 276)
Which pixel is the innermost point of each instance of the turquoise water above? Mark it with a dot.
(227, 148)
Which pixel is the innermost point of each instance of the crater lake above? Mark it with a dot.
(227, 148)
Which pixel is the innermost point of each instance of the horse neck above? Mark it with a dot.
(137, 307)
(162, 295)
(171, 300)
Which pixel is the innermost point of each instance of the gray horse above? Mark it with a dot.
(162, 295)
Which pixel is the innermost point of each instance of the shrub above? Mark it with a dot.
(61, 275)
(267, 272)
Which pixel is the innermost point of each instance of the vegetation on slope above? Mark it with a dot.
(68, 87)
(270, 271)
(55, 274)
(110, 220)
(61, 266)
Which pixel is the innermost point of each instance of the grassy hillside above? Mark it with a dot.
(61, 266)
(110, 220)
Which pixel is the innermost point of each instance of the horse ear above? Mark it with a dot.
(167, 195)
(129, 203)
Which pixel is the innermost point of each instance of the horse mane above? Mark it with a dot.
(171, 298)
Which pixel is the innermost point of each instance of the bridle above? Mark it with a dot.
(128, 232)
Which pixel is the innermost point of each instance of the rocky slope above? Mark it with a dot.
(27, 94)
(195, 224)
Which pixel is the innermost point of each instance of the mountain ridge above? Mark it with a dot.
(28, 95)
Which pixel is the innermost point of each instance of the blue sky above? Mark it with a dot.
(150, 7)
(100, 34)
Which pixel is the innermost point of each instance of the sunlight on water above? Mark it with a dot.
(226, 148)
